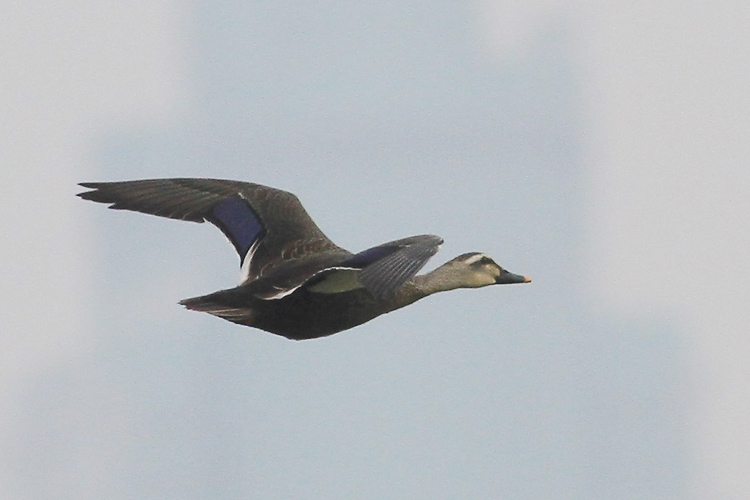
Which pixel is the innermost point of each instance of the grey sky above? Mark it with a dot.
(600, 151)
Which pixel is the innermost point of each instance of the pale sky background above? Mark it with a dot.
(600, 148)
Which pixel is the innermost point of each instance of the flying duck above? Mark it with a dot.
(295, 281)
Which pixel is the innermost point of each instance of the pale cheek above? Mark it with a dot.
(483, 280)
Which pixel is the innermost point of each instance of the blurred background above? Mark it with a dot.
(599, 148)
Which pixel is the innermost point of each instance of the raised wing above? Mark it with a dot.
(393, 264)
(266, 226)
(381, 269)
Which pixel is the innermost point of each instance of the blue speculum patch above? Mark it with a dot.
(239, 222)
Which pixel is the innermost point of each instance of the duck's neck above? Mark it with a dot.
(438, 280)
(441, 279)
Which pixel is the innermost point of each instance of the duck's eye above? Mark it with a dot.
(485, 260)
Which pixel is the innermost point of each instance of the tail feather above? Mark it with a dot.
(223, 304)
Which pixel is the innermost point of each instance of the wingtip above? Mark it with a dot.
(86, 195)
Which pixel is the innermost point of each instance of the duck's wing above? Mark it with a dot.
(267, 226)
(381, 269)
(388, 266)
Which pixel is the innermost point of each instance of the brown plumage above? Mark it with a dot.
(296, 282)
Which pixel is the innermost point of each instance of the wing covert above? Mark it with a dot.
(388, 266)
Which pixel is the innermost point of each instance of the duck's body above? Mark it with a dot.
(296, 282)
(303, 314)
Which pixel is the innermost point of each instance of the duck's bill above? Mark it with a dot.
(507, 278)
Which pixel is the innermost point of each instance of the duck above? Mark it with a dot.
(295, 282)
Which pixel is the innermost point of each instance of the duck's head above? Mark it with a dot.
(475, 270)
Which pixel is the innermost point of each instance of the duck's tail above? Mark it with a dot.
(226, 304)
